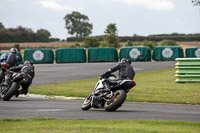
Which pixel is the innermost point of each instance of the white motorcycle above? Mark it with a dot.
(111, 99)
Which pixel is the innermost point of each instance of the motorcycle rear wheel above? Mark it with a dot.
(116, 102)
(13, 89)
(86, 104)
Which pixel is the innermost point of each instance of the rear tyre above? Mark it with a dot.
(13, 89)
(116, 101)
(86, 104)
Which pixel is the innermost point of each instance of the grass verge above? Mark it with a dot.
(154, 86)
(51, 125)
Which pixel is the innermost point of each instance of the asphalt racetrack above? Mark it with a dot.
(57, 73)
(26, 107)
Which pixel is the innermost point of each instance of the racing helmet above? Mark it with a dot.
(13, 50)
(126, 60)
(28, 63)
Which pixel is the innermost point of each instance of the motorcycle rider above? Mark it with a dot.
(126, 71)
(26, 69)
(11, 60)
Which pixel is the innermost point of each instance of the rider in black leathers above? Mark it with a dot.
(11, 59)
(28, 70)
(126, 71)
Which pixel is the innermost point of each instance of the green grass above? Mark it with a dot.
(51, 125)
(154, 86)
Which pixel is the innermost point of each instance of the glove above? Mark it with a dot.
(104, 75)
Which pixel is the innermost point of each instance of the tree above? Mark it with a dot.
(21, 34)
(111, 29)
(196, 2)
(44, 32)
(111, 36)
(78, 24)
(43, 35)
(1, 26)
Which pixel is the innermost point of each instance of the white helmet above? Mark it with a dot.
(13, 50)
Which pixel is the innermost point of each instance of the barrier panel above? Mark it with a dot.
(187, 70)
(193, 52)
(2, 54)
(71, 55)
(39, 55)
(165, 53)
(136, 53)
(102, 55)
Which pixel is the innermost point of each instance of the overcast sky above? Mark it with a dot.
(141, 17)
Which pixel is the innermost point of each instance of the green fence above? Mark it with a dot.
(70, 55)
(2, 54)
(187, 70)
(39, 55)
(193, 52)
(136, 53)
(164, 53)
(102, 55)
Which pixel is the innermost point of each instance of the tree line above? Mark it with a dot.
(156, 38)
(22, 34)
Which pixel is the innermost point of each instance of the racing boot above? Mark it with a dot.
(17, 94)
(24, 91)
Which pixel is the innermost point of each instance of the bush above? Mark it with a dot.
(112, 40)
(150, 44)
(17, 46)
(129, 43)
(104, 44)
(168, 43)
(77, 45)
(91, 42)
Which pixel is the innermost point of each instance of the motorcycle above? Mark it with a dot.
(13, 88)
(110, 100)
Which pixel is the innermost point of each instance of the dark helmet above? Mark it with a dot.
(28, 63)
(126, 60)
(13, 50)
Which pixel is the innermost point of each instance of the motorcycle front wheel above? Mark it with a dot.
(116, 102)
(86, 104)
(13, 89)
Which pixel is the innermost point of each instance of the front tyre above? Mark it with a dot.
(86, 104)
(13, 89)
(116, 101)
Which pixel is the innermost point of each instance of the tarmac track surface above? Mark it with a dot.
(70, 109)
(56, 73)
(24, 107)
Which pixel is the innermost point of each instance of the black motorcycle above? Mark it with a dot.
(14, 86)
(110, 100)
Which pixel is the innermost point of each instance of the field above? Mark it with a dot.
(57, 44)
(38, 44)
(51, 125)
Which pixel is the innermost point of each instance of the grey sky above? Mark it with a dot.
(142, 17)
